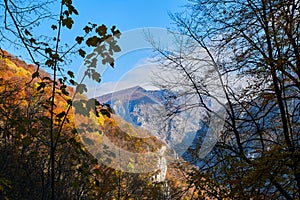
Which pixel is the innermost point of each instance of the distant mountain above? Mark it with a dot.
(134, 104)
(148, 109)
(132, 93)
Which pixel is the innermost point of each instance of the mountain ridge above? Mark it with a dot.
(147, 109)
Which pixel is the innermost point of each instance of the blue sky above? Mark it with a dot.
(128, 16)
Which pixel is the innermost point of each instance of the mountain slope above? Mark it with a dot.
(148, 110)
(81, 172)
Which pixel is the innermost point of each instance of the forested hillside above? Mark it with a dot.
(24, 147)
(230, 73)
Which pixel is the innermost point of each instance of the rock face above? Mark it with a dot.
(133, 104)
(150, 110)
(161, 165)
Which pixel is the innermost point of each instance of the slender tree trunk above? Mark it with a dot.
(52, 143)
